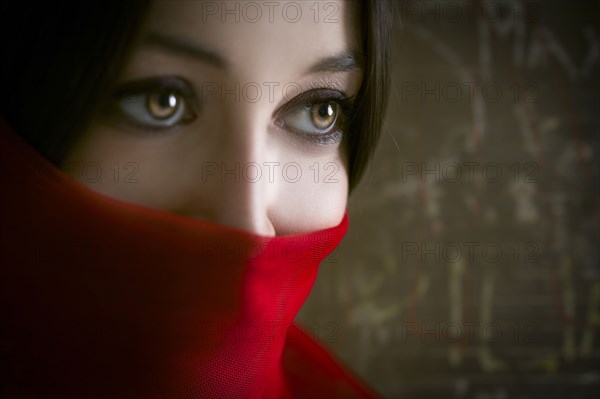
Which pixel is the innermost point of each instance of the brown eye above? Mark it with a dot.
(318, 116)
(157, 103)
(313, 118)
(163, 104)
(324, 115)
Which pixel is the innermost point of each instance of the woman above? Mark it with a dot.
(197, 158)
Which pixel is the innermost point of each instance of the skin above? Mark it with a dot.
(179, 168)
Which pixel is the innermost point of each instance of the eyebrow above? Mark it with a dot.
(180, 46)
(344, 62)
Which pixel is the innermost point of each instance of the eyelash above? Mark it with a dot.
(310, 98)
(145, 87)
(182, 88)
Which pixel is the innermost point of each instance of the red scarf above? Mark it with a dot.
(101, 298)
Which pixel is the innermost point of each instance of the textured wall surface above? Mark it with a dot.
(471, 267)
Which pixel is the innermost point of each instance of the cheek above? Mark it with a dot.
(316, 201)
(125, 168)
(308, 192)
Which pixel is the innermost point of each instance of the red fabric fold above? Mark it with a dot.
(102, 298)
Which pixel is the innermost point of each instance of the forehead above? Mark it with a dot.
(262, 39)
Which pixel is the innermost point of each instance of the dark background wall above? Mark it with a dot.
(471, 267)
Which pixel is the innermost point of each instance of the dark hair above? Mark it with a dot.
(58, 56)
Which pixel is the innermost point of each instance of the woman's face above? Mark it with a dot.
(233, 112)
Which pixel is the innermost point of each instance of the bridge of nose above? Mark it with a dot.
(235, 187)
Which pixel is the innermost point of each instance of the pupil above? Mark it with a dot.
(166, 100)
(162, 104)
(325, 110)
(323, 116)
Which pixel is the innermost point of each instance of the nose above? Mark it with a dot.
(235, 188)
(242, 199)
